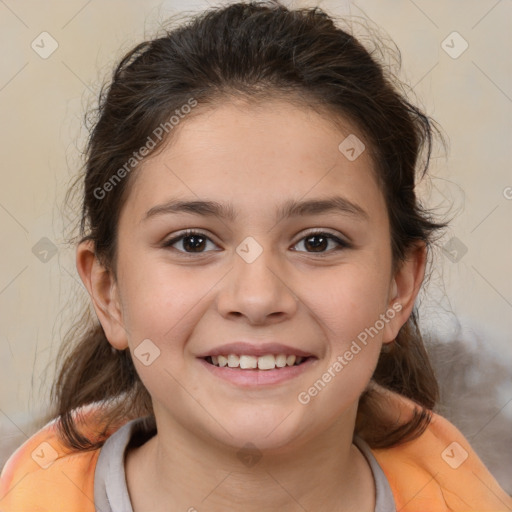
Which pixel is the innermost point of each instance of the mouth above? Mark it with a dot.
(256, 363)
(257, 372)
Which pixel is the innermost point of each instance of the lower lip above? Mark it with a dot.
(250, 378)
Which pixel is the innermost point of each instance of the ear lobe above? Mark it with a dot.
(103, 290)
(404, 288)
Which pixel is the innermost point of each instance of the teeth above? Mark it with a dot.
(281, 361)
(248, 362)
(290, 360)
(266, 362)
(233, 361)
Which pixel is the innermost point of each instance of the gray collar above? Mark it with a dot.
(384, 501)
(111, 491)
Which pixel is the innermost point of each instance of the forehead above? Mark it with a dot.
(252, 155)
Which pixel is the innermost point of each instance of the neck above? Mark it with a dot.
(184, 472)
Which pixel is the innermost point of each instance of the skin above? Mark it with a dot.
(255, 157)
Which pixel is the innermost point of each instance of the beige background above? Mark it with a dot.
(467, 307)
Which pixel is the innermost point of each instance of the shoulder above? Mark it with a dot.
(438, 471)
(43, 464)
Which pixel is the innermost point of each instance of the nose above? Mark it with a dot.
(259, 291)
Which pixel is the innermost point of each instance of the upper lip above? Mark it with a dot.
(250, 349)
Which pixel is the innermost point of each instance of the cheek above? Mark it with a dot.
(162, 310)
(350, 318)
(348, 301)
(162, 304)
(349, 312)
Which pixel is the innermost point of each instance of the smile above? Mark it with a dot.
(247, 362)
(252, 371)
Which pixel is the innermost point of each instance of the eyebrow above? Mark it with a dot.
(291, 208)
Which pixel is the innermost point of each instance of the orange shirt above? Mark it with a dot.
(436, 472)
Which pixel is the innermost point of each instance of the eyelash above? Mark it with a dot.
(190, 232)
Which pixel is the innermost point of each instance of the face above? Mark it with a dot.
(268, 280)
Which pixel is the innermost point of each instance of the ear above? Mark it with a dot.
(103, 290)
(403, 290)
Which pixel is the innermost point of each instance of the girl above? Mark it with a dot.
(253, 248)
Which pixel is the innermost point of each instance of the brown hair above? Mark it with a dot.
(251, 50)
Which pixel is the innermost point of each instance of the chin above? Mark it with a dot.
(266, 432)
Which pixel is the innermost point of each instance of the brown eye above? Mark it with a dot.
(319, 242)
(195, 243)
(190, 242)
